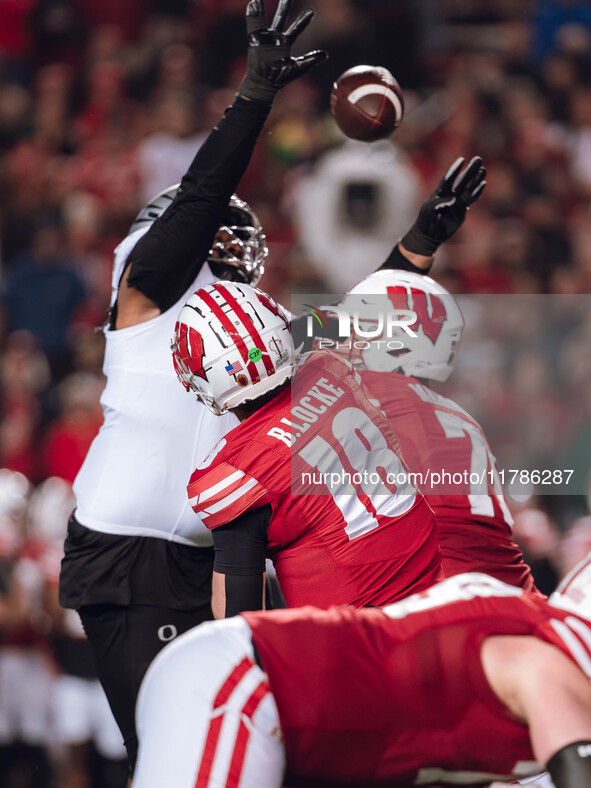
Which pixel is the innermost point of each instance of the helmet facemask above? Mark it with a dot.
(240, 247)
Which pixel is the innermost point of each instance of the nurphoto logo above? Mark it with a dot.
(382, 325)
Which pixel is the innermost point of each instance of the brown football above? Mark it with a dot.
(367, 103)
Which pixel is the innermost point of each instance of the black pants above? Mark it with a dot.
(124, 641)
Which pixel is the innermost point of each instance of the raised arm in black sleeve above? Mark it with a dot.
(168, 257)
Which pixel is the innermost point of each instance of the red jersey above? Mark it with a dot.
(457, 473)
(342, 531)
(399, 694)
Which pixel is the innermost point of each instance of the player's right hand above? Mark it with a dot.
(270, 64)
(444, 211)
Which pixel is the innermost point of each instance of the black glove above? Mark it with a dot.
(270, 65)
(445, 210)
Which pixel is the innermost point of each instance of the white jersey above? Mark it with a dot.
(134, 479)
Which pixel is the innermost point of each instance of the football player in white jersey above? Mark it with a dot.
(138, 562)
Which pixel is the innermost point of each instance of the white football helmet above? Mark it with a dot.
(240, 247)
(231, 344)
(439, 325)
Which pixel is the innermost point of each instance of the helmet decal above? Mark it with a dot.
(232, 330)
(190, 349)
(419, 303)
(271, 305)
(246, 320)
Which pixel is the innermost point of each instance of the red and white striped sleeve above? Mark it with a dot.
(220, 494)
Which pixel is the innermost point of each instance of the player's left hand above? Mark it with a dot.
(444, 211)
(270, 64)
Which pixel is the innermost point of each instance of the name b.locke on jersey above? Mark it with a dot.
(316, 402)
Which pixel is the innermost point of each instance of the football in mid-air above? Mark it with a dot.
(367, 103)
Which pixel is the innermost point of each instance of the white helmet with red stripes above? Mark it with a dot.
(231, 344)
(438, 327)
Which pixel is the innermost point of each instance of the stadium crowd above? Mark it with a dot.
(103, 105)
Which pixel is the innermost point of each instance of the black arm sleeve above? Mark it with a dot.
(240, 544)
(240, 556)
(169, 256)
(396, 260)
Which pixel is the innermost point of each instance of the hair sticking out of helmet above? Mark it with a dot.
(387, 344)
(240, 247)
(232, 344)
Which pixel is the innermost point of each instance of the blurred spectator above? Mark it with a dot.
(24, 377)
(57, 32)
(165, 154)
(87, 739)
(558, 23)
(15, 39)
(576, 544)
(42, 293)
(539, 538)
(128, 17)
(226, 44)
(69, 436)
(26, 669)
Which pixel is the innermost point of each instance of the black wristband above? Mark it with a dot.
(570, 767)
(419, 243)
(258, 89)
(397, 261)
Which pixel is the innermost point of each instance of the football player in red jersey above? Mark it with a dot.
(471, 681)
(312, 477)
(446, 448)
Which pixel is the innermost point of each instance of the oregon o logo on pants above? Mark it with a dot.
(167, 632)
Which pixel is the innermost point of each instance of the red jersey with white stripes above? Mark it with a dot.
(399, 694)
(457, 473)
(346, 526)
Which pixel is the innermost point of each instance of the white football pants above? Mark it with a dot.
(205, 716)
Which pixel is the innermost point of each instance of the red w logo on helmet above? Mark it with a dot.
(188, 353)
(429, 309)
(271, 305)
